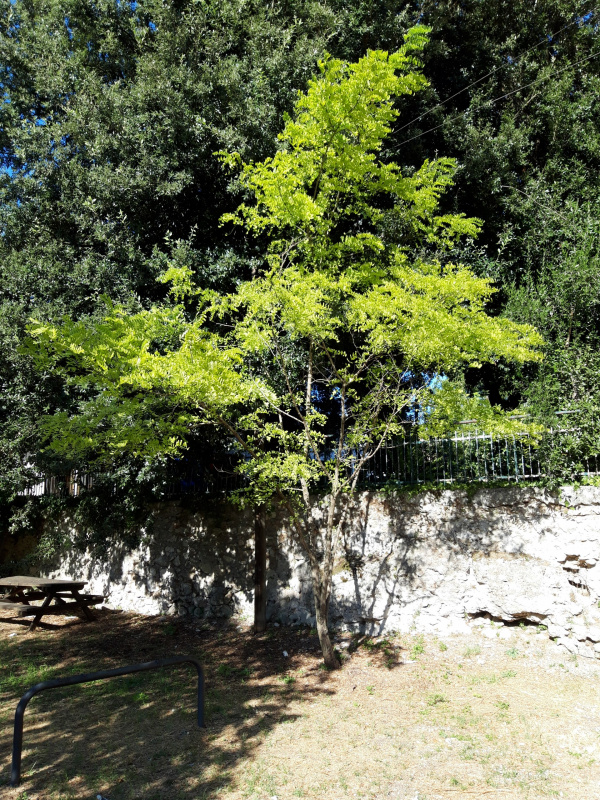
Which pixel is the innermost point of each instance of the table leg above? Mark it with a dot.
(39, 614)
(19, 596)
(82, 605)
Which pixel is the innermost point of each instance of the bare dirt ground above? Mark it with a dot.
(502, 712)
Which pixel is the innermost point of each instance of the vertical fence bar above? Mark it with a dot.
(416, 458)
(456, 464)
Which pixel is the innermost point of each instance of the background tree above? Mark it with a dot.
(111, 112)
(340, 308)
(518, 87)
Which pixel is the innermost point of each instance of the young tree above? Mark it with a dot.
(310, 365)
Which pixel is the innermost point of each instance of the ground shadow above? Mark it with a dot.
(136, 736)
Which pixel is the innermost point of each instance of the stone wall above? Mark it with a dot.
(198, 563)
(427, 563)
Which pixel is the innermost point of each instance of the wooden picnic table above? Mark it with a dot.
(16, 594)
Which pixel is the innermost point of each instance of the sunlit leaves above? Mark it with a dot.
(436, 318)
(330, 146)
(449, 407)
(340, 314)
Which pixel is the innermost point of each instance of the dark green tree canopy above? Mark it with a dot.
(112, 112)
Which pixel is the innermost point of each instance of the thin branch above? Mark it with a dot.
(281, 411)
(309, 380)
(325, 349)
(294, 521)
(303, 419)
(329, 543)
(363, 460)
(235, 433)
(285, 255)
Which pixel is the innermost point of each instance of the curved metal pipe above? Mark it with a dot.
(86, 677)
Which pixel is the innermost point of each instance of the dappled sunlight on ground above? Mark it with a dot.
(506, 715)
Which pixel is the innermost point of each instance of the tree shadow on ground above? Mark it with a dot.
(136, 736)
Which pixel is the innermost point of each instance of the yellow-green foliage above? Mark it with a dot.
(451, 405)
(340, 304)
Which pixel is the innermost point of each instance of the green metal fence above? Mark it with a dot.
(463, 458)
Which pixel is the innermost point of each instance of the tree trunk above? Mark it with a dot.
(260, 570)
(321, 593)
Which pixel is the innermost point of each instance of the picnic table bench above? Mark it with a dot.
(55, 593)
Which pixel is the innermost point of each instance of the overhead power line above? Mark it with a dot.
(501, 97)
(546, 40)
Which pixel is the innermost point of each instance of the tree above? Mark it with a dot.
(110, 114)
(341, 311)
(513, 96)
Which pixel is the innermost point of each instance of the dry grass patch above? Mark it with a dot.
(405, 717)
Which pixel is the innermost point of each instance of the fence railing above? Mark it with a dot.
(70, 485)
(462, 458)
(187, 477)
(467, 458)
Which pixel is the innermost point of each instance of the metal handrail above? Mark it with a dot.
(86, 677)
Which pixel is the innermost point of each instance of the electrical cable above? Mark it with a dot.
(537, 202)
(549, 38)
(497, 99)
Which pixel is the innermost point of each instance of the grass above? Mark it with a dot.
(418, 647)
(436, 698)
(384, 647)
(402, 717)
